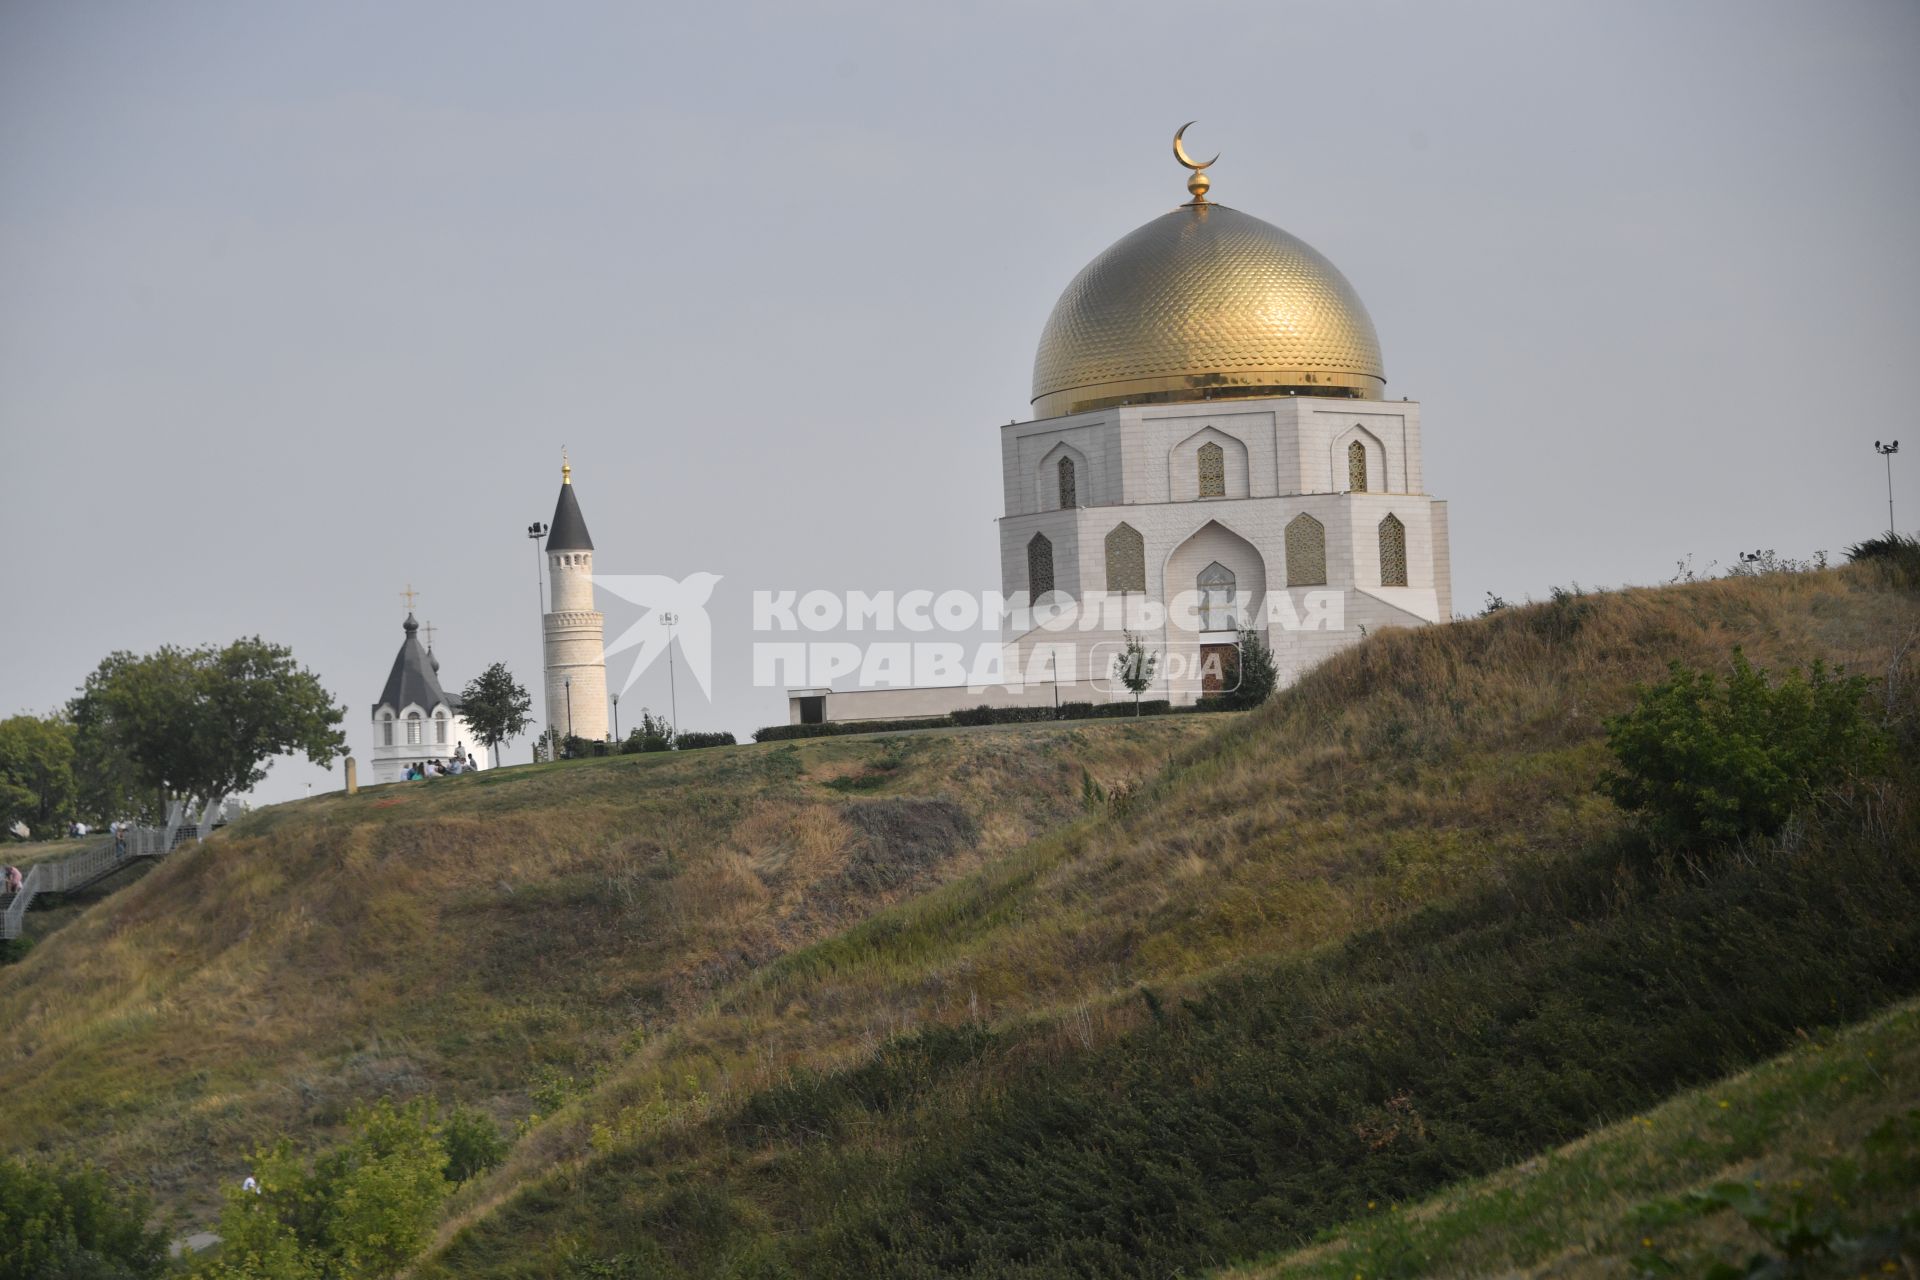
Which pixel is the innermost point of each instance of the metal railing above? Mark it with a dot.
(78, 870)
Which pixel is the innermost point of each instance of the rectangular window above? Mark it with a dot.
(440, 731)
(413, 732)
(387, 733)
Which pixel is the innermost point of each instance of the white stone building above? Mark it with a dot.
(415, 720)
(574, 634)
(1210, 443)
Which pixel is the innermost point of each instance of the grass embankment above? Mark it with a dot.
(491, 939)
(1827, 1134)
(1414, 948)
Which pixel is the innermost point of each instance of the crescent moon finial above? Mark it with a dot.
(1198, 183)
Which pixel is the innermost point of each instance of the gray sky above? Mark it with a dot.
(299, 302)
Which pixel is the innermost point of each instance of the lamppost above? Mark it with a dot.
(568, 682)
(1887, 451)
(616, 717)
(673, 694)
(537, 531)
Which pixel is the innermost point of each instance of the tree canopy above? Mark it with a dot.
(495, 706)
(36, 772)
(202, 723)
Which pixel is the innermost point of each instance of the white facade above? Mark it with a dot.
(415, 720)
(1272, 462)
(1212, 488)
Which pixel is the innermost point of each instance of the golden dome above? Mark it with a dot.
(1202, 303)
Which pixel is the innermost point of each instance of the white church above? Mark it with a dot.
(1209, 428)
(415, 720)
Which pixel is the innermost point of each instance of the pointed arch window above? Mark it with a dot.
(1216, 583)
(1306, 552)
(1213, 471)
(1039, 567)
(1357, 467)
(1393, 552)
(1069, 497)
(413, 728)
(1126, 559)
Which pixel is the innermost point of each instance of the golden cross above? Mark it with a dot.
(408, 596)
(427, 630)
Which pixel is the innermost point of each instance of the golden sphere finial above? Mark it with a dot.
(1199, 183)
(566, 468)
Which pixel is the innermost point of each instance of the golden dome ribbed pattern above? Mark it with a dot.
(1204, 302)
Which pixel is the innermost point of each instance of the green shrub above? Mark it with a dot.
(693, 741)
(653, 733)
(364, 1210)
(1706, 763)
(1897, 553)
(1251, 676)
(474, 1144)
(69, 1220)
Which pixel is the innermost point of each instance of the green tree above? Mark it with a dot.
(1134, 667)
(200, 724)
(496, 707)
(36, 773)
(1704, 763)
(473, 1142)
(362, 1211)
(74, 1221)
(1251, 674)
(653, 733)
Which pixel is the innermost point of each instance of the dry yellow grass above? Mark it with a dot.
(465, 936)
(1416, 766)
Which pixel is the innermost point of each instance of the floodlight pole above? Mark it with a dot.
(1887, 451)
(673, 693)
(537, 531)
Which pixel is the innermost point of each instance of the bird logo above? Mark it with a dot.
(682, 605)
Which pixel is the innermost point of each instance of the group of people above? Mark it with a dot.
(422, 770)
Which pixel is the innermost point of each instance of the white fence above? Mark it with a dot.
(77, 870)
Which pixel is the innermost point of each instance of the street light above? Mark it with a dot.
(537, 531)
(673, 695)
(568, 682)
(1887, 451)
(616, 717)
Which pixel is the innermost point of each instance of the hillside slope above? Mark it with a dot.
(489, 938)
(1827, 1134)
(1386, 846)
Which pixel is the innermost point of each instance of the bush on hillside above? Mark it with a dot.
(1897, 553)
(67, 1220)
(693, 741)
(653, 733)
(1251, 676)
(364, 1210)
(1706, 763)
(474, 1144)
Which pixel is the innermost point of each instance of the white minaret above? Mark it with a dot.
(575, 640)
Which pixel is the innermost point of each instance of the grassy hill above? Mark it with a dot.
(933, 1005)
(1827, 1136)
(489, 938)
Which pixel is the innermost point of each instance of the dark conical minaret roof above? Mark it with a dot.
(569, 529)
